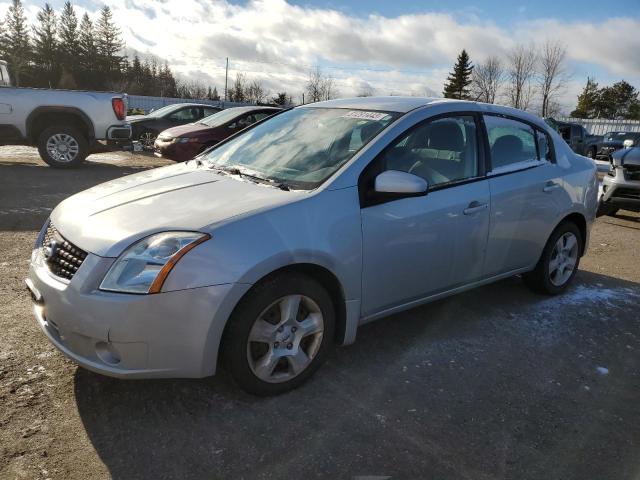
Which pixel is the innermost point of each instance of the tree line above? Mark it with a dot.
(532, 78)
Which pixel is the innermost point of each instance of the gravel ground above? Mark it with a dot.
(495, 383)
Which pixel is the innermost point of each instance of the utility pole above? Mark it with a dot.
(226, 79)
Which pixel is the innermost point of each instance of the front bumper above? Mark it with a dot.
(620, 190)
(179, 152)
(172, 334)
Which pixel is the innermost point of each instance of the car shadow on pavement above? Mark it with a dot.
(29, 192)
(496, 382)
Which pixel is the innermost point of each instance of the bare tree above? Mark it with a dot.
(366, 90)
(238, 92)
(255, 92)
(553, 76)
(520, 72)
(320, 87)
(487, 79)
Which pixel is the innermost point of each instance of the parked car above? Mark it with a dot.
(5, 80)
(614, 141)
(578, 138)
(621, 185)
(283, 239)
(185, 142)
(65, 125)
(147, 127)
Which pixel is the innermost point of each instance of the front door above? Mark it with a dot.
(420, 246)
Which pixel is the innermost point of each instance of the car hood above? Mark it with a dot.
(107, 218)
(189, 130)
(137, 118)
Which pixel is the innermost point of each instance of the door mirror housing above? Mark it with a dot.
(401, 184)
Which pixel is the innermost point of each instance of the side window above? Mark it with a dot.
(544, 146)
(261, 115)
(510, 141)
(440, 151)
(210, 111)
(186, 114)
(246, 120)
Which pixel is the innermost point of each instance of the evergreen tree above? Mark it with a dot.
(109, 45)
(69, 41)
(15, 43)
(587, 100)
(45, 47)
(619, 101)
(86, 52)
(459, 80)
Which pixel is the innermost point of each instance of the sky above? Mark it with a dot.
(390, 47)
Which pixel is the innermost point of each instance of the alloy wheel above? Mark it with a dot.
(285, 338)
(147, 139)
(564, 258)
(62, 147)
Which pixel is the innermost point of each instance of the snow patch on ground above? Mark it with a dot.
(587, 294)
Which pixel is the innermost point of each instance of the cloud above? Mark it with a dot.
(279, 43)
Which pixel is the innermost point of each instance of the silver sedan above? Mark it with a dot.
(278, 243)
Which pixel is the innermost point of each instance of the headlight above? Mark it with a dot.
(187, 139)
(627, 143)
(145, 265)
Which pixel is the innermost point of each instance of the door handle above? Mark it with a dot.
(475, 207)
(550, 187)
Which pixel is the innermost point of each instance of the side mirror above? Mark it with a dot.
(400, 183)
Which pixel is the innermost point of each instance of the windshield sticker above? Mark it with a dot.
(362, 115)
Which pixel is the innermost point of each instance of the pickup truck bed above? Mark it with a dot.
(64, 124)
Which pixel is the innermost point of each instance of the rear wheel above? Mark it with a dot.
(62, 147)
(279, 334)
(559, 261)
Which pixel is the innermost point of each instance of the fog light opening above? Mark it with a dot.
(107, 353)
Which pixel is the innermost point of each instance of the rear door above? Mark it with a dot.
(527, 193)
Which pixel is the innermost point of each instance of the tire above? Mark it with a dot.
(267, 364)
(612, 212)
(63, 147)
(546, 279)
(147, 138)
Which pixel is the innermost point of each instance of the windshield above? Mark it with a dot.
(220, 118)
(302, 147)
(621, 136)
(162, 111)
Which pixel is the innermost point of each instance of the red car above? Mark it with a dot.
(186, 141)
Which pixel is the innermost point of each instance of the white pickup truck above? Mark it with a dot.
(65, 125)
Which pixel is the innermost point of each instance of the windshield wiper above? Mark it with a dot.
(251, 176)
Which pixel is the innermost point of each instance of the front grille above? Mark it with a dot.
(62, 257)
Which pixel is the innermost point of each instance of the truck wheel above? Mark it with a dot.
(62, 147)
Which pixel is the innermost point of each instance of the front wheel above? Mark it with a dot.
(62, 147)
(147, 139)
(559, 261)
(279, 334)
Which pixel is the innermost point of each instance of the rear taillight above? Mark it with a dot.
(118, 108)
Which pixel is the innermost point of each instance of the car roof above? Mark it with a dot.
(406, 104)
(252, 108)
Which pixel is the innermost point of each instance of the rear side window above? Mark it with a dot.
(510, 141)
